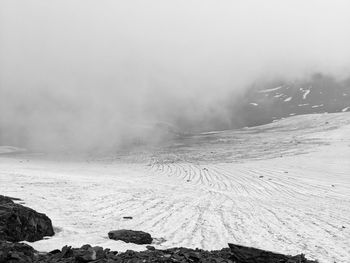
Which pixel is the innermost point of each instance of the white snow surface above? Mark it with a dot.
(306, 92)
(283, 187)
(288, 99)
(316, 106)
(269, 90)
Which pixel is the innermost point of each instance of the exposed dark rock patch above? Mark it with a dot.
(14, 252)
(254, 255)
(18, 223)
(151, 248)
(265, 102)
(7, 199)
(131, 236)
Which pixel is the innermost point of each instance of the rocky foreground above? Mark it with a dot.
(18, 252)
(20, 223)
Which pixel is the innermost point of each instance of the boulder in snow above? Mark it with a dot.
(19, 223)
(131, 236)
(16, 252)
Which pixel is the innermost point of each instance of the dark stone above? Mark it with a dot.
(87, 253)
(152, 248)
(18, 223)
(55, 251)
(67, 252)
(6, 199)
(15, 252)
(131, 236)
(20, 253)
(241, 254)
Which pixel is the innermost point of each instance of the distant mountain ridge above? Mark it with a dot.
(264, 103)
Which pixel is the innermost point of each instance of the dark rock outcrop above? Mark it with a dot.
(15, 252)
(18, 223)
(241, 254)
(131, 236)
(235, 254)
(266, 101)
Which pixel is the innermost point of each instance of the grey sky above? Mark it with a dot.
(89, 64)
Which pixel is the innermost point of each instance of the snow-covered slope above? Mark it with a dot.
(283, 187)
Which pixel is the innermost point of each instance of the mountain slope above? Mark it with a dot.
(263, 103)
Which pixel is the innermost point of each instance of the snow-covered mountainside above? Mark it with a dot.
(283, 187)
(264, 103)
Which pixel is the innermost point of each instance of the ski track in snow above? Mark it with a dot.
(297, 203)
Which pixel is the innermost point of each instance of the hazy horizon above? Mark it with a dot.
(83, 74)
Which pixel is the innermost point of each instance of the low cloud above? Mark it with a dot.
(87, 74)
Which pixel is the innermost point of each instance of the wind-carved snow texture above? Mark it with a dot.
(282, 187)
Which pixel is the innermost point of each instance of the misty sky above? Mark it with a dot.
(88, 73)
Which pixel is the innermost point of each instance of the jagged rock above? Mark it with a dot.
(241, 254)
(15, 252)
(131, 236)
(18, 223)
(87, 253)
(7, 199)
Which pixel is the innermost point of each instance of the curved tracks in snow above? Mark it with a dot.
(268, 205)
(294, 204)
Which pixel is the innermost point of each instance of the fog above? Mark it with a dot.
(89, 74)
